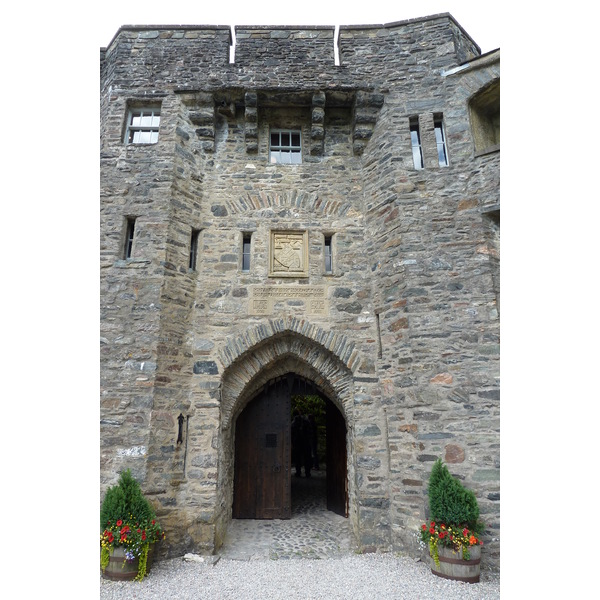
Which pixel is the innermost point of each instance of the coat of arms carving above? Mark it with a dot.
(289, 254)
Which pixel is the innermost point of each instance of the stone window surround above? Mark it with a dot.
(152, 128)
(195, 237)
(246, 251)
(328, 253)
(292, 149)
(484, 116)
(128, 238)
(416, 143)
(440, 138)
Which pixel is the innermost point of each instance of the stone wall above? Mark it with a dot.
(404, 338)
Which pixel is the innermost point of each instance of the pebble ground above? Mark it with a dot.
(308, 557)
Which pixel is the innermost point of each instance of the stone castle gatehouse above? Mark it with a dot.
(300, 210)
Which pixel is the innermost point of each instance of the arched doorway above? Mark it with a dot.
(263, 459)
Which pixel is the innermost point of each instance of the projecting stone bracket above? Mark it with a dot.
(365, 107)
(201, 108)
(365, 112)
(251, 122)
(317, 129)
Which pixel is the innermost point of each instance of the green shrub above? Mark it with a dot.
(124, 500)
(449, 501)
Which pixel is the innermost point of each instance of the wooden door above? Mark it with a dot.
(336, 458)
(262, 484)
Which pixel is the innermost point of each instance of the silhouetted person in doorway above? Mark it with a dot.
(313, 441)
(297, 442)
(301, 444)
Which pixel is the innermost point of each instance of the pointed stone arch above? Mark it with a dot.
(274, 349)
(281, 346)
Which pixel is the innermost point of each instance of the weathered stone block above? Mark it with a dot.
(207, 367)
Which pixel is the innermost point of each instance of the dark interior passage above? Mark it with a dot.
(289, 424)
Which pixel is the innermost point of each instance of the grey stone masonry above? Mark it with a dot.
(225, 285)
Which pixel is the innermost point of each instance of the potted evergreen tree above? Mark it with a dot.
(129, 531)
(452, 533)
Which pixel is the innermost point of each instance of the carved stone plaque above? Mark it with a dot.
(262, 298)
(288, 255)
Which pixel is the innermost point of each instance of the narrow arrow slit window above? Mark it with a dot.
(440, 138)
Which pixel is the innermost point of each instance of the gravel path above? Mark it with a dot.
(356, 577)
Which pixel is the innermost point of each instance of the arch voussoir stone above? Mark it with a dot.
(335, 342)
(280, 346)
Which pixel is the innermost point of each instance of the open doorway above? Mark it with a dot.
(267, 453)
(320, 464)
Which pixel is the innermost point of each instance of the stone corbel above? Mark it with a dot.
(317, 129)
(366, 110)
(202, 115)
(251, 122)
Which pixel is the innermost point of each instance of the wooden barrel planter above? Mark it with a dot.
(452, 566)
(120, 569)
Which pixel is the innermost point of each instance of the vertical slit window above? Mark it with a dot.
(328, 255)
(415, 140)
(246, 253)
(440, 138)
(379, 344)
(194, 249)
(129, 233)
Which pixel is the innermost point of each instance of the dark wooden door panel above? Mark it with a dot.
(245, 465)
(262, 485)
(336, 457)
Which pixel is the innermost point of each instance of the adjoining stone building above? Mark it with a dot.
(318, 211)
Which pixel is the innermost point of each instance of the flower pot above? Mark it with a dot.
(120, 569)
(452, 566)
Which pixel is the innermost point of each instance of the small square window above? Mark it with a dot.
(143, 125)
(285, 147)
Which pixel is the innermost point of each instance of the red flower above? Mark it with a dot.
(143, 536)
(111, 537)
(466, 532)
(153, 522)
(119, 523)
(423, 527)
(433, 523)
(432, 530)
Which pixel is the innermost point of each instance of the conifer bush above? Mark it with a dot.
(454, 515)
(127, 519)
(125, 499)
(449, 500)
